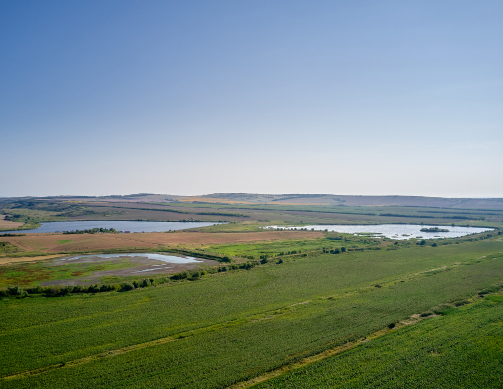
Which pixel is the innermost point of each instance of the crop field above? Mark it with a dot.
(279, 248)
(463, 348)
(7, 224)
(228, 328)
(59, 243)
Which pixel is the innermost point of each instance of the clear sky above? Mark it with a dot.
(194, 97)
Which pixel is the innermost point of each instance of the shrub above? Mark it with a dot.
(93, 289)
(51, 291)
(105, 288)
(15, 291)
(124, 287)
(65, 290)
(35, 290)
(391, 326)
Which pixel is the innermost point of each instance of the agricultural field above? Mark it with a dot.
(230, 327)
(7, 224)
(82, 243)
(461, 348)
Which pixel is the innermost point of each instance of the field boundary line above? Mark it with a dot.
(91, 358)
(414, 319)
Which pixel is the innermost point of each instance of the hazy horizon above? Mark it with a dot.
(254, 193)
(364, 98)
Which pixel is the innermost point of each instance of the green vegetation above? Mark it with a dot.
(434, 229)
(292, 247)
(461, 349)
(64, 241)
(29, 274)
(93, 231)
(233, 326)
(6, 247)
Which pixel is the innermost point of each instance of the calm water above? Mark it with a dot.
(122, 225)
(159, 257)
(395, 231)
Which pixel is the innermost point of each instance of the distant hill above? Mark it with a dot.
(297, 199)
(329, 199)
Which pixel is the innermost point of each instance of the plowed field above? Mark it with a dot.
(7, 224)
(48, 243)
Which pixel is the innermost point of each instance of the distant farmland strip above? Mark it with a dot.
(176, 211)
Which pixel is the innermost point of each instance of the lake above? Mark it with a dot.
(394, 231)
(119, 225)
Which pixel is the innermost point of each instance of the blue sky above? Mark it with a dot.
(194, 97)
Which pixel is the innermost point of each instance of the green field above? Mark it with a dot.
(461, 349)
(279, 248)
(233, 326)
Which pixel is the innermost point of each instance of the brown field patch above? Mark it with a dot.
(10, 260)
(7, 224)
(93, 242)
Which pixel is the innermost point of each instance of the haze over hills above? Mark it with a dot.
(302, 199)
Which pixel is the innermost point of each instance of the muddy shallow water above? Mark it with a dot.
(141, 264)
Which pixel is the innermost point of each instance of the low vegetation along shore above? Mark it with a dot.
(266, 309)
